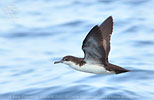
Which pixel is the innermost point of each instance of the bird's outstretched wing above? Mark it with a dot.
(106, 29)
(96, 45)
(93, 46)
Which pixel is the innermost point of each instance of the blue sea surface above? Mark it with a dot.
(35, 33)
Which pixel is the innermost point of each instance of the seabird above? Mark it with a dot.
(96, 48)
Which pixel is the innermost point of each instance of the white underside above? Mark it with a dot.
(96, 69)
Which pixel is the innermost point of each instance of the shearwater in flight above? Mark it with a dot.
(96, 47)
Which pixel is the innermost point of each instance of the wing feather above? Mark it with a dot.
(106, 29)
(93, 46)
(96, 45)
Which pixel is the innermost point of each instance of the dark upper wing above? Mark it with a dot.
(93, 46)
(96, 45)
(106, 29)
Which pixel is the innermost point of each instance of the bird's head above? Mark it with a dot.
(65, 60)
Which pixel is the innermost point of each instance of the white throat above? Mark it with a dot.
(90, 68)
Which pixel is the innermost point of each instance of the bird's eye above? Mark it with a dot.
(65, 59)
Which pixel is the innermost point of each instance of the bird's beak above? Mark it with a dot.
(56, 62)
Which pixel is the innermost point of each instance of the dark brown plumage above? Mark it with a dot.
(77, 61)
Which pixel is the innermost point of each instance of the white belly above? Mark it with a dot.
(96, 69)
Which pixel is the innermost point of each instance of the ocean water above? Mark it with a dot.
(35, 33)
